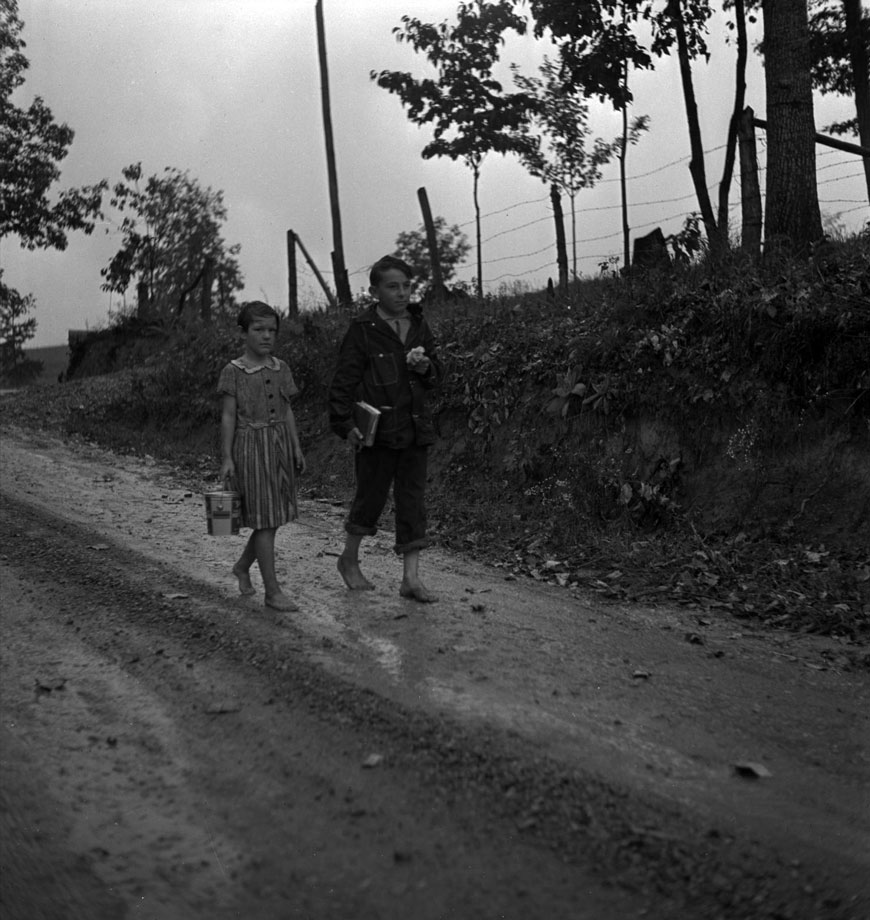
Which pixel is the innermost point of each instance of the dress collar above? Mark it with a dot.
(243, 365)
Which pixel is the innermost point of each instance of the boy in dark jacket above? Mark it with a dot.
(388, 360)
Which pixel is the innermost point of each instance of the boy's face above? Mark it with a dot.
(393, 291)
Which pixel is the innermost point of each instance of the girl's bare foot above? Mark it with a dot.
(352, 574)
(280, 601)
(417, 591)
(244, 577)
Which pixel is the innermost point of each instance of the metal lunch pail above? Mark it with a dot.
(224, 513)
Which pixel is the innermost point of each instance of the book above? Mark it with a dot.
(366, 419)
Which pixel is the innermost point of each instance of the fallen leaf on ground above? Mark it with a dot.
(222, 706)
(373, 760)
(751, 770)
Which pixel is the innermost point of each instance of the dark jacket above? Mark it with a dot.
(372, 367)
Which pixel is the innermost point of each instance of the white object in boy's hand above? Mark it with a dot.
(416, 356)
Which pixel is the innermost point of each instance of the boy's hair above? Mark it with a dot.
(384, 264)
(253, 308)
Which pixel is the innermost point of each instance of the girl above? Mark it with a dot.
(260, 445)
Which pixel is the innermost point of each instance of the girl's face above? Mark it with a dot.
(260, 338)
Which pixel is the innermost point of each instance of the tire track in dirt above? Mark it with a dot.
(481, 805)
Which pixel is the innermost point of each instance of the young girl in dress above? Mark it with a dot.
(260, 445)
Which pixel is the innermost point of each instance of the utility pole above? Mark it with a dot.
(292, 288)
(342, 285)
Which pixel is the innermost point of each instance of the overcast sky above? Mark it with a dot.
(230, 91)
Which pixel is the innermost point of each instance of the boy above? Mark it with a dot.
(388, 360)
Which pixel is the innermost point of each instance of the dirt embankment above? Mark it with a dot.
(516, 750)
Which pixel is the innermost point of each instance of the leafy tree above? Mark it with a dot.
(453, 247)
(839, 49)
(599, 44)
(596, 43)
(682, 23)
(16, 328)
(31, 146)
(834, 26)
(172, 243)
(839, 61)
(631, 132)
(469, 111)
(560, 157)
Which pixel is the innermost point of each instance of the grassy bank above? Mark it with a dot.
(698, 438)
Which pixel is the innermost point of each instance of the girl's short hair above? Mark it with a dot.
(253, 308)
(384, 264)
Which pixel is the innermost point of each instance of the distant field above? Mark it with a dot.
(54, 360)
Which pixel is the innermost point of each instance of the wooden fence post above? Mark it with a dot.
(437, 280)
(750, 194)
(329, 295)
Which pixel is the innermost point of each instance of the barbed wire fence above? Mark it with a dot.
(531, 266)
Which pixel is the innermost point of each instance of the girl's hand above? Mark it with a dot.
(299, 460)
(228, 472)
(421, 366)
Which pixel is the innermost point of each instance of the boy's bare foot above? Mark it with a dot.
(352, 574)
(245, 585)
(280, 601)
(417, 591)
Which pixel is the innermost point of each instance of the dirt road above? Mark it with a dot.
(172, 750)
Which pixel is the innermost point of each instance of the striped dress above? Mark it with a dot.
(262, 450)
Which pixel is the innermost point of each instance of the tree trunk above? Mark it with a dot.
(143, 300)
(476, 173)
(860, 77)
(736, 116)
(205, 290)
(561, 251)
(696, 165)
(574, 235)
(793, 220)
(623, 186)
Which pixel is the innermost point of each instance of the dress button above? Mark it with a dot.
(271, 396)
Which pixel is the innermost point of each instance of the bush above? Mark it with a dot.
(725, 405)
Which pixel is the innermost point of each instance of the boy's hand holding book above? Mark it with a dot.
(366, 418)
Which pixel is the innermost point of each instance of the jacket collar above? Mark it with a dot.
(415, 312)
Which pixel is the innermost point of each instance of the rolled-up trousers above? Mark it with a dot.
(378, 468)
